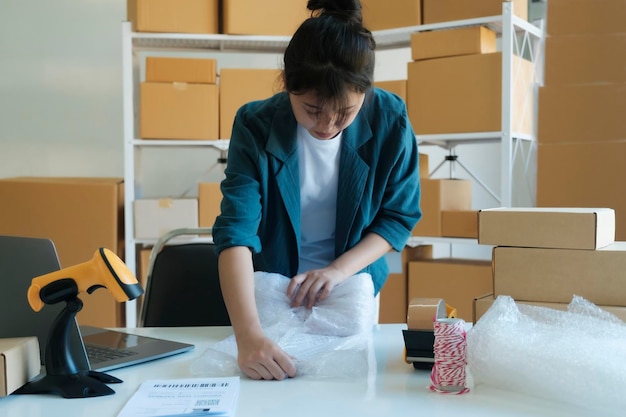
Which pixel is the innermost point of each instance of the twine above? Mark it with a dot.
(450, 348)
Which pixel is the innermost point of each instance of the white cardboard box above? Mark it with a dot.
(544, 227)
(19, 362)
(155, 217)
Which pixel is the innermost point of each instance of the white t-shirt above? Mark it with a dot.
(319, 167)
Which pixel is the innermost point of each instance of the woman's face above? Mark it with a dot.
(324, 122)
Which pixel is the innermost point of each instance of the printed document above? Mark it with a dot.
(184, 398)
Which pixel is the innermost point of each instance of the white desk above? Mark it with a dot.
(397, 389)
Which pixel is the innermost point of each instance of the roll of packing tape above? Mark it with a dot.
(423, 312)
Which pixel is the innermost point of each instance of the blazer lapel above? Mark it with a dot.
(282, 145)
(353, 174)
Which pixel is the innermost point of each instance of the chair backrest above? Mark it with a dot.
(183, 287)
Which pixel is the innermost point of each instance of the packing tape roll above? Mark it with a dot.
(423, 312)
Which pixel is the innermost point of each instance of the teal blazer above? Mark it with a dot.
(378, 191)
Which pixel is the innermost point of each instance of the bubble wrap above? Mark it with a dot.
(576, 356)
(333, 339)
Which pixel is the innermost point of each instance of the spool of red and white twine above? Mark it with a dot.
(448, 373)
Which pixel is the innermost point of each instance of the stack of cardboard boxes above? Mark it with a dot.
(242, 17)
(455, 77)
(233, 17)
(436, 11)
(181, 99)
(382, 15)
(581, 129)
(545, 256)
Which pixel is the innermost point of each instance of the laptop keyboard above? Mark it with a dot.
(98, 354)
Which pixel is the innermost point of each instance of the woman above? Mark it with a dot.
(322, 180)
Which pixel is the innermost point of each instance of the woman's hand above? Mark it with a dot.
(312, 286)
(260, 358)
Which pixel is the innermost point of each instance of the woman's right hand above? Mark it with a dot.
(260, 358)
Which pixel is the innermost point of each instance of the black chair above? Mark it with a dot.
(183, 287)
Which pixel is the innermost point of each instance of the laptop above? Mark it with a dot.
(93, 348)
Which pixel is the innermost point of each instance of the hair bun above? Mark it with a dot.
(348, 10)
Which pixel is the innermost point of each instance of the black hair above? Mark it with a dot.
(331, 53)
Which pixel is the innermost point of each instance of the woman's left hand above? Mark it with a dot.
(312, 286)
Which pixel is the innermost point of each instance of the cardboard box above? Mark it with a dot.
(583, 175)
(79, 215)
(424, 165)
(239, 86)
(269, 17)
(585, 59)
(547, 227)
(397, 87)
(464, 94)
(19, 362)
(440, 195)
(177, 16)
(209, 201)
(182, 70)
(578, 17)
(435, 11)
(482, 304)
(457, 281)
(556, 275)
(459, 223)
(581, 113)
(394, 294)
(155, 217)
(179, 111)
(389, 14)
(452, 42)
(143, 265)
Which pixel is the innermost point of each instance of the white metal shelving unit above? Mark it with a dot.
(521, 38)
(509, 26)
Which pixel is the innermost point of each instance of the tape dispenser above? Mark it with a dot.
(419, 338)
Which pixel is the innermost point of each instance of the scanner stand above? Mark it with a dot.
(62, 375)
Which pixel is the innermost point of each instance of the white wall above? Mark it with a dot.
(61, 101)
(60, 87)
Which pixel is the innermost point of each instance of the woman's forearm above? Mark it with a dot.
(237, 282)
(368, 250)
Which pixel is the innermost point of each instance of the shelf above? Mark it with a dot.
(401, 37)
(385, 39)
(180, 240)
(220, 144)
(450, 140)
(445, 140)
(218, 42)
(492, 22)
(517, 36)
(431, 240)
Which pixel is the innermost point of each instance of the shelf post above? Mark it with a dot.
(506, 177)
(129, 162)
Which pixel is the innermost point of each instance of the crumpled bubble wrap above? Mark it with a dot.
(577, 356)
(333, 339)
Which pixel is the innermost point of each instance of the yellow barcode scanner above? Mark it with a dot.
(63, 374)
(104, 270)
(450, 311)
